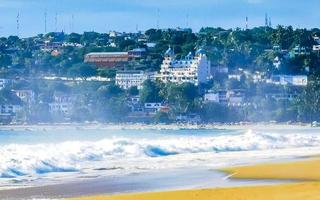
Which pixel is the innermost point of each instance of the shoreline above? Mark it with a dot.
(162, 180)
(138, 126)
(298, 191)
(306, 171)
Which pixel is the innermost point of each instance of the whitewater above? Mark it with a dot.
(37, 157)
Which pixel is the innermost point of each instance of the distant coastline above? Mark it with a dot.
(135, 126)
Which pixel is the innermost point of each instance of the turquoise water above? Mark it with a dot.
(55, 136)
(32, 154)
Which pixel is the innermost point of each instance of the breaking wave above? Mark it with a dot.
(20, 160)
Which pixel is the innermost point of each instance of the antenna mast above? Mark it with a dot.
(72, 23)
(266, 20)
(18, 24)
(187, 20)
(270, 22)
(158, 17)
(45, 21)
(56, 22)
(247, 23)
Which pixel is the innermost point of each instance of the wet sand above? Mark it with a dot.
(304, 171)
(164, 180)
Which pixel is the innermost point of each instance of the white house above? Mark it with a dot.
(192, 69)
(27, 96)
(10, 109)
(62, 103)
(4, 83)
(236, 97)
(152, 107)
(127, 79)
(211, 97)
(277, 62)
(230, 97)
(216, 97)
(60, 107)
(64, 98)
(294, 80)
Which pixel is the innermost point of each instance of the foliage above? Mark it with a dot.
(150, 92)
(162, 117)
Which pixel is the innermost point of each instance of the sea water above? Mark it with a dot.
(54, 155)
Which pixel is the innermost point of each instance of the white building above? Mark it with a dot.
(294, 80)
(152, 107)
(192, 69)
(230, 97)
(4, 83)
(277, 62)
(9, 109)
(60, 107)
(128, 79)
(236, 97)
(27, 96)
(216, 97)
(212, 97)
(62, 103)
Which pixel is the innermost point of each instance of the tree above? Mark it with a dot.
(133, 91)
(40, 113)
(89, 37)
(109, 73)
(162, 117)
(117, 109)
(214, 112)
(5, 60)
(74, 38)
(109, 91)
(9, 97)
(181, 96)
(81, 114)
(309, 101)
(154, 35)
(82, 70)
(150, 92)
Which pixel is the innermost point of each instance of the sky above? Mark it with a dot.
(132, 15)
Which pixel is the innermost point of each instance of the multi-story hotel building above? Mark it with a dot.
(192, 69)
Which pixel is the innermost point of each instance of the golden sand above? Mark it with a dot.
(308, 170)
(304, 171)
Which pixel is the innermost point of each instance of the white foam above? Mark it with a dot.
(149, 153)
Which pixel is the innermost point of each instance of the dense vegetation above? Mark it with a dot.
(241, 51)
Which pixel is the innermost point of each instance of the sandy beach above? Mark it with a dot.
(305, 171)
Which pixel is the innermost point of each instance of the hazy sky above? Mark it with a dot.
(127, 15)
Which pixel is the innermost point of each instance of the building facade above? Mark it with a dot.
(107, 59)
(60, 108)
(4, 83)
(290, 80)
(192, 69)
(114, 59)
(128, 79)
(27, 96)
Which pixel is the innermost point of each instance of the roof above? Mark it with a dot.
(169, 52)
(200, 51)
(138, 50)
(130, 72)
(106, 53)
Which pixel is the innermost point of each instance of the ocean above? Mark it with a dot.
(50, 155)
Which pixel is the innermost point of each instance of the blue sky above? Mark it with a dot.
(127, 15)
